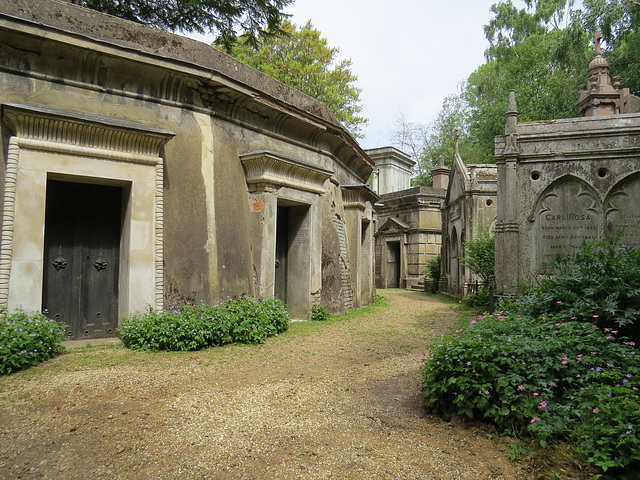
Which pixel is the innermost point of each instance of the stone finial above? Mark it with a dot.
(441, 161)
(601, 96)
(512, 114)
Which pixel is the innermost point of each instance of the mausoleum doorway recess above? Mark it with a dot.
(83, 225)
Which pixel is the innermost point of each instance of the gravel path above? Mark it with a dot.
(338, 401)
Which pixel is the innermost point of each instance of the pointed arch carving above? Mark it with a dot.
(567, 213)
(621, 210)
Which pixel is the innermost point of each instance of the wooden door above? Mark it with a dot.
(82, 253)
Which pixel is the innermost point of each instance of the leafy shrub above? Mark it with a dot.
(479, 256)
(432, 274)
(27, 339)
(600, 282)
(319, 313)
(235, 320)
(477, 299)
(558, 379)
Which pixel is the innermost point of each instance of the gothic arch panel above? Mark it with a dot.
(621, 210)
(567, 213)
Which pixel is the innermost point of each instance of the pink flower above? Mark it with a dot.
(473, 321)
(520, 387)
(535, 419)
(542, 404)
(559, 301)
(596, 410)
(552, 384)
(596, 316)
(565, 360)
(535, 394)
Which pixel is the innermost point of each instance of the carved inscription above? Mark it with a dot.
(622, 212)
(568, 215)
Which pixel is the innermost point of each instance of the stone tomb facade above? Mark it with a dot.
(469, 209)
(143, 169)
(408, 236)
(561, 183)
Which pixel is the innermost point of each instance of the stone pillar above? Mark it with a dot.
(507, 151)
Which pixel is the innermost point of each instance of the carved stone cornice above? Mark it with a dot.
(356, 195)
(266, 168)
(79, 131)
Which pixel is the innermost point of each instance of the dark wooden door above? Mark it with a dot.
(82, 253)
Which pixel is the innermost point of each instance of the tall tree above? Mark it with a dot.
(303, 59)
(225, 18)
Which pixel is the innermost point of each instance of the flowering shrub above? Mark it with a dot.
(558, 379)
(234, 320)
(600, 282)
(27, 339)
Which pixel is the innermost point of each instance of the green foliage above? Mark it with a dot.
(479, 256)
(552, 378)
(600, 282)
(27, 339)
(226, 18)
(479, 298)
(303, 59)
(242, 319)
(432, 274)
(319, 313)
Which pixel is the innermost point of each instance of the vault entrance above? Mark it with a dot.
(393, 267)
(82, 256)
(293, 257)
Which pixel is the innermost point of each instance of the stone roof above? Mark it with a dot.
(204, 60)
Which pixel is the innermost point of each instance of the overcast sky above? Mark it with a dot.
(408, 54)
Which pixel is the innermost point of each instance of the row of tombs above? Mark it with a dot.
(146, 169)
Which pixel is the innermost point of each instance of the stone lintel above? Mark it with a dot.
(265, 168)
(89, 131)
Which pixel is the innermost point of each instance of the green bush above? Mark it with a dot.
(319, 313)
(242, 319)
(477, 299)
(557, 379)
(27, 339)
(479, 256)
(432, 274)
(600, 282)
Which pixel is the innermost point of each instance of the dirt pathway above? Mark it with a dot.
(337, 401)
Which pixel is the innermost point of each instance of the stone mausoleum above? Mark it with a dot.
(563, 182)
(143, 169)
(409, 219)
(469, 209)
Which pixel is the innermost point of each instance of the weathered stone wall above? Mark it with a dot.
(563, 182)
(211, 111)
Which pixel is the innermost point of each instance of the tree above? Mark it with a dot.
(226, 18)
(303, 59)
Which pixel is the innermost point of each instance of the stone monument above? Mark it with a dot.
(564, 182)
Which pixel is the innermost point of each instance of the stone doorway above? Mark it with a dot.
(393, 264)
(292, 272)
(83, 226)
